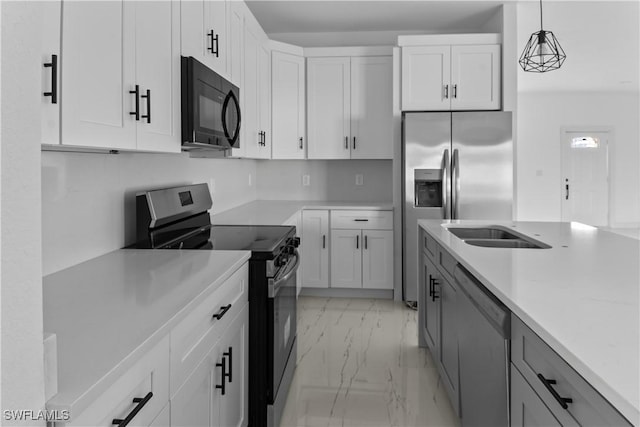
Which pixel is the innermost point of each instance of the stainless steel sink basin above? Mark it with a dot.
(482, 233)
(495, 237)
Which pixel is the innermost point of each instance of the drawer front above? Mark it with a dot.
(149, 375)
(364, 220)
(446, 262)
(194, 336)
(533, 357)
(429, 245)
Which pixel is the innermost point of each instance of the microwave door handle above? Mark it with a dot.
(231, 96)
(446, 185)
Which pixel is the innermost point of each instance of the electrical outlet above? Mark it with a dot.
(306, 180)
(250, 180)
(359, 179)
(212, 186)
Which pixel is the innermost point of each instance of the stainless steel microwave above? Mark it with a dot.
(210, 108)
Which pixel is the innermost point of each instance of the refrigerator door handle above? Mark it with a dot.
(446, 185)
(455, 191)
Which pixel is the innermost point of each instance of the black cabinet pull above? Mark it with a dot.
(360, 220)
(229, 354)
(137, 94)
(217, 48)
(210, 36)
(430, 285)
(222, 312)
(561, 400)
(301, 143)
(358, 242)
(354, 142)
(346, 142)
(434, 295)
(365, 241)
(140, 404)
(223, 365)
(324, 241)
(148, 97)
(455, 91)
(54, 79)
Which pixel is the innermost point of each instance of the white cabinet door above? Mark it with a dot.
(98, 74)
(377, 259)
(249, 137)
(315, 247)
(157, 44)
(264, 101)
(475, 77)
(233, 347)
(215, 35)
(50, 112)
(193, 28)
(371, 101)
(346, 259)
(288, 106)
(196, 403)
(426, 78)
(235, 30)
(328, 107)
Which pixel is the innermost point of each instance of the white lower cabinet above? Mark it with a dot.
(346, 259)
(215, 394)
(315, 246)
(377, 259)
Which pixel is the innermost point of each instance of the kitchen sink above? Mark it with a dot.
(496, 237)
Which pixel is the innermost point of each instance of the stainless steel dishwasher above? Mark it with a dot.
(484, 353)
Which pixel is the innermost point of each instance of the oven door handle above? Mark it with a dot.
(276, 284)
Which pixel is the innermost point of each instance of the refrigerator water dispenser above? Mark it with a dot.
(428, 188)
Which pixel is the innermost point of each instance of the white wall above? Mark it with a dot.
(332, 180)
(22, 385)
(88, 200)
(596, 87)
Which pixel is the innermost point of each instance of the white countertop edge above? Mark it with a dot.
(77, 403)
(630, 410)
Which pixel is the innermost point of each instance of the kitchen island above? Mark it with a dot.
(580, 296)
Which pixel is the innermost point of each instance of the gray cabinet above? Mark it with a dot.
(449, 340)
(527, 409)
(430, 314)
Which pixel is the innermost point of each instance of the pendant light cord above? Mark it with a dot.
(540, 15)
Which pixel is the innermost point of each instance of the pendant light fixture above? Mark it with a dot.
(542, 52)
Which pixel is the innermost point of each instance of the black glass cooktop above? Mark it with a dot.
(255, 238)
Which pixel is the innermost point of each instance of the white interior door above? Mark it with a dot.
(585, 177)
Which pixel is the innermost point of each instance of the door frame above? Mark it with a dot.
(564, 131)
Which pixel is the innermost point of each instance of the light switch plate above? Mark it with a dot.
(306, 180)
(359, 179)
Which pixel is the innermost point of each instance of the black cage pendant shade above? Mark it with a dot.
(542, 52)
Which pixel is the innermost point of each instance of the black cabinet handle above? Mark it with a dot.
(148, 97)
(430, 285)
(455, 91)
(354, 142)
(434, 295)
(54, 79)
(210, 36)
(346, 142)
(137, 94)
(223, 365)
(301, 143)
(229, 354)
(358, 241)
(360, 220)
(217, 48)
(222, 312)
(140, 404)
(324, 241)
(365, 241)
(561, 400)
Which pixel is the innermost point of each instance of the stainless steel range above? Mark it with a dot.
(178, 218)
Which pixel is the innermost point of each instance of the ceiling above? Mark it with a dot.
(318, 16)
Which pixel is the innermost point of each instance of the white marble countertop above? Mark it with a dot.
(109, 311)
(581, 297)
(276, 212)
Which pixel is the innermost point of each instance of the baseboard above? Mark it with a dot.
(347, 293)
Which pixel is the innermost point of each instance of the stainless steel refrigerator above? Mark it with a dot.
(455, 166)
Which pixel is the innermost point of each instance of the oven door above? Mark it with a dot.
(282, 327)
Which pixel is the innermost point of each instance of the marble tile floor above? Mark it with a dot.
(359, 364)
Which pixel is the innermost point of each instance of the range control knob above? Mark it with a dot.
(295, 242)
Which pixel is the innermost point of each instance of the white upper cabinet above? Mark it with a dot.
(426, 77)
(371, 115)
(50, 112)
(250, 140)
(475, 77)
(204, 32)
(264, 101)
(288, 106)
(450, 72)
(120, 80)
(349, 107)
(328, 107)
